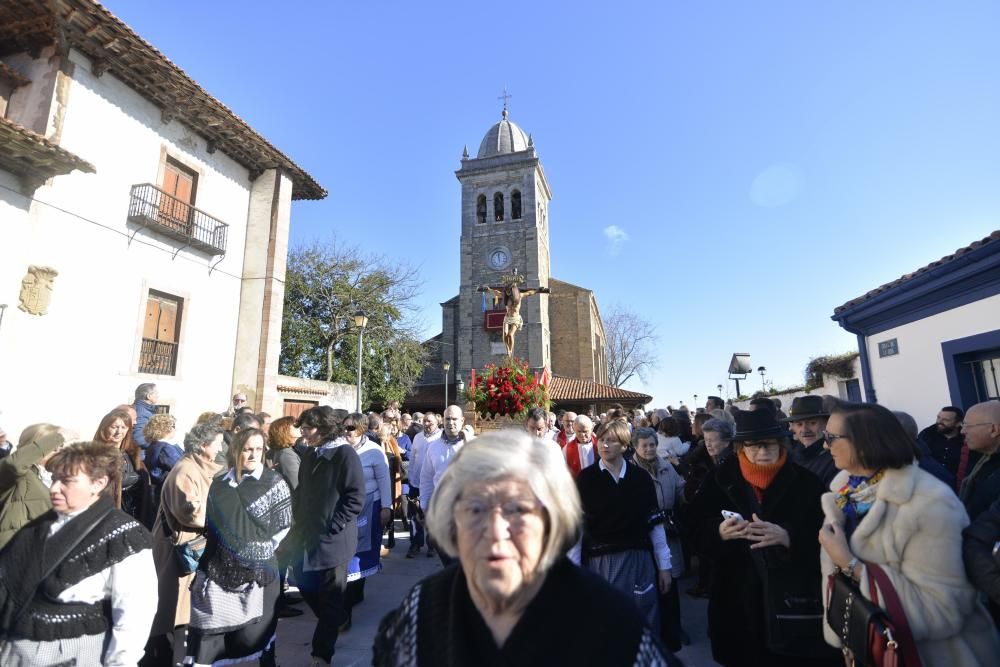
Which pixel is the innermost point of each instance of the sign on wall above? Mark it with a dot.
(888, 348)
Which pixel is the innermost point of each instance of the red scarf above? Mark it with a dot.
(562, 438)
(759, 477)
(963, 467)
(573, 454)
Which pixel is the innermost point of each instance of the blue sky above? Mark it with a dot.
(761, 162)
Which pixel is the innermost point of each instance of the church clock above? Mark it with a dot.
(499, 258)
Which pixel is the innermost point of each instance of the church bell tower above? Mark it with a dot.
(505, 201)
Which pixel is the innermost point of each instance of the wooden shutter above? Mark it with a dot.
(167, 330)
(152, 322)
(178, 183)
(161, 319)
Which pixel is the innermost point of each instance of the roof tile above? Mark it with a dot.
(992, 238)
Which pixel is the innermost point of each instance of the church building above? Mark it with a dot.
(505, 232)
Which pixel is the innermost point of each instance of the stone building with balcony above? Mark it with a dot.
(144, 227)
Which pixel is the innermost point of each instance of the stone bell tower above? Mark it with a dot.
(505, 201)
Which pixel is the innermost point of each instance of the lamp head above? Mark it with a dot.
(360, 319)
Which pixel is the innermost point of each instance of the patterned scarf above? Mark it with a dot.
(857, 497)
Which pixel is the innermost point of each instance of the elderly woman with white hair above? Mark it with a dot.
(508, 509)
(179, 531)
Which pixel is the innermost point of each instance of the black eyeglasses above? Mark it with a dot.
(350, 428)
(830, 437)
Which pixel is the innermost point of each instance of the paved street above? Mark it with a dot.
(384, 592)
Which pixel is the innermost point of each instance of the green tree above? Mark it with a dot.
(325, 284)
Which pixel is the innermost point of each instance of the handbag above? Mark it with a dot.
(187, 554)
(793, 612)
(869, 635)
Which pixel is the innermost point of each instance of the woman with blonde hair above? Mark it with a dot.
(24, 481)
(388, 433)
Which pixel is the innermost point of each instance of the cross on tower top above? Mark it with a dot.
(506, 96)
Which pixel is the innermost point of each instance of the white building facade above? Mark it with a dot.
(932, 337)
(144, 228)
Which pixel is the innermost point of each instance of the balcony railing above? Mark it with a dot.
(158, 357)
(152, 207)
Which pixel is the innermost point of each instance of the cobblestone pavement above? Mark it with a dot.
(385, 590)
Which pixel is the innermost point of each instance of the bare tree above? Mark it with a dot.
(630, 345)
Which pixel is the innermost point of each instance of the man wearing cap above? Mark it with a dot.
(807, 419)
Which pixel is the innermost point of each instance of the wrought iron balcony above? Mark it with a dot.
(153, 208)
(158, 357)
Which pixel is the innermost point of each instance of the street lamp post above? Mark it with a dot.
(719, 387)
(446, 366)
(696, 400)
(762, 371)
(459, 388)
(360, 321)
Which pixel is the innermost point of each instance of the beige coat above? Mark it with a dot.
(914, 531)
(183, 499)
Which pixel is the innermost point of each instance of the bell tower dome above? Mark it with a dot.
(505, 201)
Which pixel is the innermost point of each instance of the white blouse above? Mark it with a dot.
(131, 586)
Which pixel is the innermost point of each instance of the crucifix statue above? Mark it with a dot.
(512, 295)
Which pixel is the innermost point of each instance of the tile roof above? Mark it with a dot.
(902, 280)
(575, 389)
(289, 389)
(113, 46)
(29, 154)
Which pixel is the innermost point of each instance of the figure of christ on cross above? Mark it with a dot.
(512, 295)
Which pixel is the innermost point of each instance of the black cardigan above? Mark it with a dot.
(438, 625)
(617, 516)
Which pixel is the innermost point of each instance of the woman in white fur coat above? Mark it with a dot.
(884, 509)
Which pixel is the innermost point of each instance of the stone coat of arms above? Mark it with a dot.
(36, 289)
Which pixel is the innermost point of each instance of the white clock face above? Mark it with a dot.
(499, 258)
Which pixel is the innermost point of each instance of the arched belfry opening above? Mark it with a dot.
(481, 209)
(515, 205)
(498, 207)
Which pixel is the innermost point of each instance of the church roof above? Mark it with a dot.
(504, 137)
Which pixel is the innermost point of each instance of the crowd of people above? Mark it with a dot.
(149, 544)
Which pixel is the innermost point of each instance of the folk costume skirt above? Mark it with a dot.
(244, 643)
(367, 560)
(633, 572)
(83, 650)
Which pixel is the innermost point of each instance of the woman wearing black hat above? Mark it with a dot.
(765, 604)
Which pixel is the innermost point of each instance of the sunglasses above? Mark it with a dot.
(351, 428)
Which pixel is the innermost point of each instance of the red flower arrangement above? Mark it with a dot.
(507, 389)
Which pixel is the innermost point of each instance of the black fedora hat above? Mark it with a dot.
(757, 425)
(806, 407)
